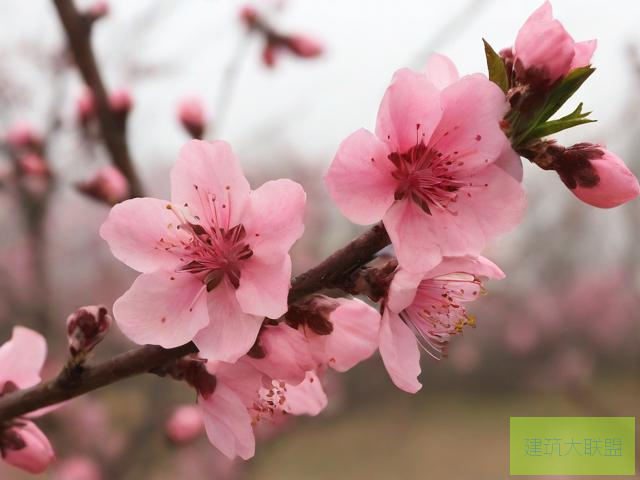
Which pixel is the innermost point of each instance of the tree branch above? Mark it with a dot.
(78, 31)
(70, 384)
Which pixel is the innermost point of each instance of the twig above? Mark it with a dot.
(78, 31)
(67, 385)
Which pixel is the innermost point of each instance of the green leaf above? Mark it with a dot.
(564, 91)
(496, 68)
(553, 126)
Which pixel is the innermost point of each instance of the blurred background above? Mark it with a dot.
(559, 337)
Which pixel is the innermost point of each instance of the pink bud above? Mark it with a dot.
(77, 468)
(120, 101)
(269, 55)
(26, 447)
(86, 327)
(597, 177)
(304, 46)
(108, 185)
(191, 113)
(22, 135)
(249, 15)
(85, 106)
(99, 9)
(33, 164)
(184, 424)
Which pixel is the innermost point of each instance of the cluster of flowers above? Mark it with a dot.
(442, 172)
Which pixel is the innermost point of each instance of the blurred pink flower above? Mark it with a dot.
(22, 444)
(429, 306)
(430, 172)
(597, 176)
(184, 424)
(99, 9)
(214, 262)
(33, 164)
(22, 134)
(108, 185)
(85, 106)
(191, 112)
(77, 468)
(120, 101)
(304, 46)
(544, 49)
(249, 15)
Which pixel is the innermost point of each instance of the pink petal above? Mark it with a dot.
(37, 454)
(410, 232)
(583, 51)
(410, 111)
(139, 231)
(543, 44)
(227, 423)
(231, 332)
(617, 184)
(479, 266)
(354, 338)
(510, 162)
(274, 219)
(403, 289)
(469, 132)
(22, 358)
(359, 179)
(214, 169)
(441, 71)
(264, 287)
(307, 398)
(184, 424)
(157, 310)
(400, 353)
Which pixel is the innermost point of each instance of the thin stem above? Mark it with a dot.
(71, 383)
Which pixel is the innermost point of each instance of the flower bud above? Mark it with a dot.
(33, 164)
(191, 113)
(26, 447)
(303, 46)
(313, 314)
(108, 185)
(23, 135)
(85, 106)
(86, 327)
(99, 9)
(597, 176)
(249, 16)
(120, 101)
(184, 424)
(269, 55)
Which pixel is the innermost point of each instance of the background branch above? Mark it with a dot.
(70, 383)
(77, 28)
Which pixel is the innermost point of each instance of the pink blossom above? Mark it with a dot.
(99, 9)
(120, 101)
(214, 262)
(249, 15)
(269, 54)
(21, 135)
(22, 444)
(184, 424)
(33, 164)
(430, 307)
(546, 50)
(108, 185)
(85, 106)
(191, 113)
(597, 176)
(430, 172)
(77, 468)
(304, 46)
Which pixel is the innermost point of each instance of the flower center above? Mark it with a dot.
(425, 176)
(271, 400)
(437, 312)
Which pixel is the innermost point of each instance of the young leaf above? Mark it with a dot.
(564, 90)
(496, 68)
(553, 126)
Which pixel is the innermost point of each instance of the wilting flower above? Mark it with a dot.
(214, 261)
(431, 171)
(426, 310)
(596, 176)
(544, 50)
(184, 424)
(108, 185)
(191, 113)
(86, 327)
(22, 444)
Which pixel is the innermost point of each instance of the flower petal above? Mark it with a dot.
(264, 287)
(403, 289)
(306, 398)
(441, 71)
(583, 51)
(469, 132)
(227, 423)
(37, 454)
(400, 352)
(22, 358)
(162, 309)
(231, 332)
(409, 229)
(479, 266)
(359, 179)
(140, 233)
(206, 171)
(409, 112)
(273, 218)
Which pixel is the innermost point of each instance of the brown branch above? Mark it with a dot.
(329, 273)
(78, 31)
